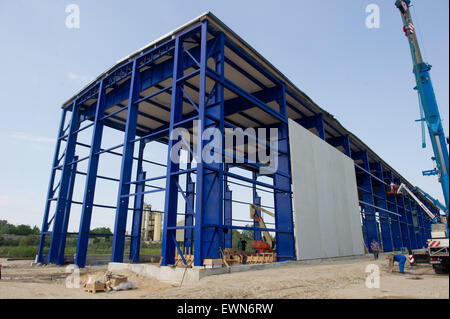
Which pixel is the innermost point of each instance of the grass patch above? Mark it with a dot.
(32, 250)
(18, 251)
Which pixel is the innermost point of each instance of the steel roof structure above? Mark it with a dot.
(204, 71)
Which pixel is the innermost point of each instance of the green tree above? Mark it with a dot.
(23, 230)
(36, 230)
(5, 227)
(101, 230)
(247, 234)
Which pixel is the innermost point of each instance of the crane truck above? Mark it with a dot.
(438, 244)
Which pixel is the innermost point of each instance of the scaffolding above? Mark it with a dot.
(204, 73)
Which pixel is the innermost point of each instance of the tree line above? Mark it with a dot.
(23, 230)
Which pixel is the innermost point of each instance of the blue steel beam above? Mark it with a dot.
(245, 95)
(230, 45)
(148, 78)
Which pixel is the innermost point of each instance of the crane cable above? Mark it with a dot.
(417, 29)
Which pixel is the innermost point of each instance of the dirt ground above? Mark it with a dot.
(333, 279)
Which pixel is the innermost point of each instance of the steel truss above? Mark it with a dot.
(199, 53)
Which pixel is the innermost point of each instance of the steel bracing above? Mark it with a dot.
(203, 74)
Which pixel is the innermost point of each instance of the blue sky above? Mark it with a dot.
(362, 76)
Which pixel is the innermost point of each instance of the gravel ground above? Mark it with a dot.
(325, 279)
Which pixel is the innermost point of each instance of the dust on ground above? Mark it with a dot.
(340, 279)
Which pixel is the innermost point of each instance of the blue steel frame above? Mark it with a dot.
(394, 221)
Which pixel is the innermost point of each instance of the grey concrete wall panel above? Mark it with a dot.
(327, 218)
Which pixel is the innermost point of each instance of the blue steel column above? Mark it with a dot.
(65, 224)
(421, 240)
(416, 223)
(256, 201)
(381, 201)
(429, 223)
(209, 205)
(227, 215)
(403, 219)
(138, 207)
(397, 240)
(315, 121)
(50, 191)
(428, 219)
(409, 218)
(420, 220)
(284, 221)
(189, 217)
(369, 221)
(171, 194)
(125, 171)
(91, 177)
(343, 141)
(64, 186)
(426, 226)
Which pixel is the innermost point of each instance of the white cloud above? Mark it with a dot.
(31, 138)
(85, 79)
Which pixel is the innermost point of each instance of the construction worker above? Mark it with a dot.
(401, 259)
(375, 249)
(243, 243)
